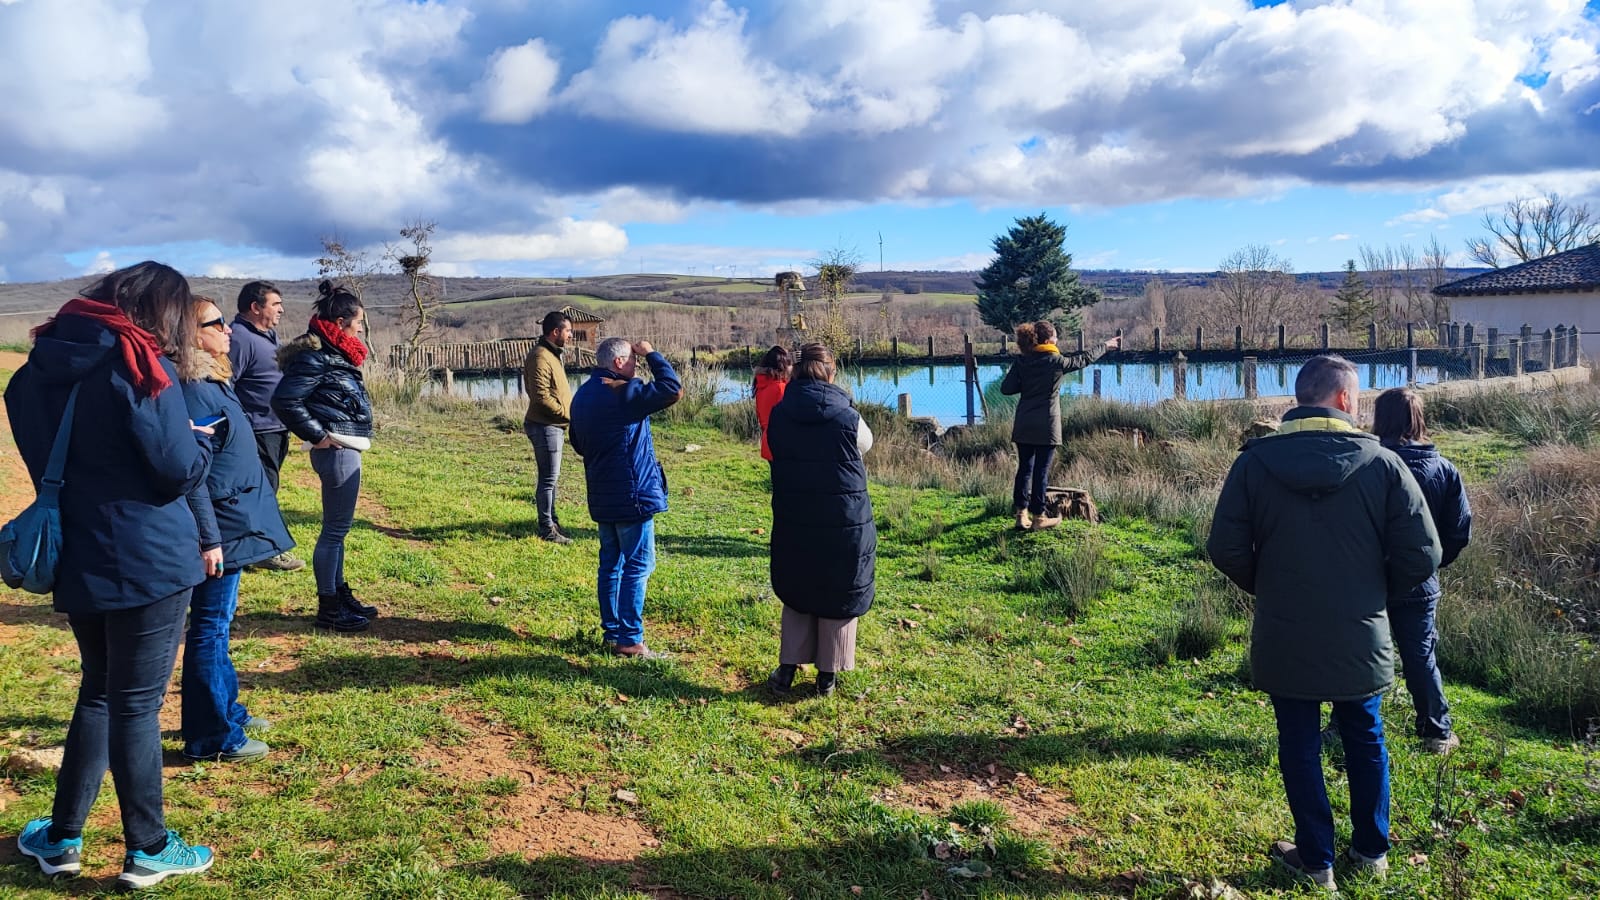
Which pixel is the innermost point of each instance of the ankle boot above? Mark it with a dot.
(347, 598)
(781, 681)
(827, 682)
(332, 614)
(1024, 521)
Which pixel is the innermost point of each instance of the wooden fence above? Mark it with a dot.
(479, 356)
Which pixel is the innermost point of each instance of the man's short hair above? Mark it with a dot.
(1322, 377)
(256, 292)
(552, 321)
(611, 350)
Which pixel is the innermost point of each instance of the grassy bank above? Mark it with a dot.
(1035, 715)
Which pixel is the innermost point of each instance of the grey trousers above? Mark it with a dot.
(340, 471)
(830, 644)
(546, 440)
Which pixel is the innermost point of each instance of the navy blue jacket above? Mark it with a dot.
(1447, 504)
(254, 355)
(234, 507)
(127, 536)
(824, 542)
(321, 391)
(611, 431)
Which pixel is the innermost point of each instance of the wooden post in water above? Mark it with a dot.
(1180, 377)
(905, 406)
(1155, 338)
(1324, 337)
(1372, 335)
(1238, 338)
(1250, 378)
(1097, 384)
(930, 346)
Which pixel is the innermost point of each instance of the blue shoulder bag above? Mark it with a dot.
(30, 544)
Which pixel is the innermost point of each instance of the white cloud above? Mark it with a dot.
(101, 264)
(1339, 237)
(568, 239)
(518, 82)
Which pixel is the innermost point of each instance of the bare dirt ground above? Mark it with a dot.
(1033, 809)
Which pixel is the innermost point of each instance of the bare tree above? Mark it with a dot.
(350, 268)
(411, 257)
(1155, 297)
(1530, 228)
(1255, 288)
(1435, 271)
(835, 268)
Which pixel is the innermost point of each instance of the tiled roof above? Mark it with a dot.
(578, 315)
(1574, 270)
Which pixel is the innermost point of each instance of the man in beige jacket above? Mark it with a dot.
(549, 414)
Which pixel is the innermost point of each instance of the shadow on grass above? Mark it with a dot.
(384, 628)
(870, 866)
(711, 546)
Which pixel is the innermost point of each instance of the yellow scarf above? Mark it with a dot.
(1045, 348)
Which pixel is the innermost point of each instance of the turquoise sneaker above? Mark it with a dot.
(60, 858)
(140, 869)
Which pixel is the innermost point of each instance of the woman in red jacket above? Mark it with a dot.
(772, 376)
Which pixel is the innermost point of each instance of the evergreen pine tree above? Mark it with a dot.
(1031, 276)
(1353, 303)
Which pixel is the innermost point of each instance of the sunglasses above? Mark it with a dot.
(217, 323)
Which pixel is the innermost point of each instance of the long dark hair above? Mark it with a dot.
(776, 363)
(1397, 417)
(157, 298)
(335, 302)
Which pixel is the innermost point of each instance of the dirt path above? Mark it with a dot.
(16, 490)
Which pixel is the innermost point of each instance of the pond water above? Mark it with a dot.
(940, 391)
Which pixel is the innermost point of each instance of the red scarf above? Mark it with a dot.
(139, 349)
(345, 343)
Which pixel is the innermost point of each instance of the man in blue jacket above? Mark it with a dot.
(611, 432)
(253, 354)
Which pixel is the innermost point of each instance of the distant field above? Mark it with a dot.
(583, 301)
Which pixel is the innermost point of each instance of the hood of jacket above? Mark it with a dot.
(305, 343)
(810, 402)
(1411, 453)
(1316, 452)
(73, 347)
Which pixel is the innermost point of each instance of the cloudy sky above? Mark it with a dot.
(736, 137)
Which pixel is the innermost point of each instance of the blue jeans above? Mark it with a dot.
(1366, 763)
(127, 661)
(1033, 474)
(627, 557)
(1416, 637)
(213, 717)
(340, 471)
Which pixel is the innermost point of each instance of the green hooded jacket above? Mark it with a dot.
(1322, 525)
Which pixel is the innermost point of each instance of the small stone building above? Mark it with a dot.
(587, 328)
(1561, 289)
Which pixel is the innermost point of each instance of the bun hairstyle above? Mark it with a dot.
(776, 363)
(1026, 338)
(335, 302)
(816, 362)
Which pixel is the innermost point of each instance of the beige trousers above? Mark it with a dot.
(830, 644)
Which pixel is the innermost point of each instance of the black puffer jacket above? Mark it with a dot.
(321, 391)
(824, 542)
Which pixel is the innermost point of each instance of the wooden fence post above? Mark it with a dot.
(894, 347)
(1238, 338)
(1250, 378)
(1180, 377)
(1372, 335)
(1199, 337)
(1155, 338)
(1411, 335)
(1324, 337)
(930, 346)
(905, 406)
(1097, 384)
(1080, 340)
(1282, 337)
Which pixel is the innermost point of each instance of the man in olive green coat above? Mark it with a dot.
(1323, 525)
(549, 414)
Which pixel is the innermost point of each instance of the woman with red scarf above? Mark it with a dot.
(323, 401)
(130, 549)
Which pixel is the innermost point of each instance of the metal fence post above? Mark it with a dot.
(971, 379)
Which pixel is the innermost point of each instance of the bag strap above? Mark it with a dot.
(50, 485)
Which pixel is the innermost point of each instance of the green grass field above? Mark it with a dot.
(477, 743)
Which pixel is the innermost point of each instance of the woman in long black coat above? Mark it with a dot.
(824, 542)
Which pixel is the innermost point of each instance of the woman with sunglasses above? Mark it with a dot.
(323, 402)
(237, 514)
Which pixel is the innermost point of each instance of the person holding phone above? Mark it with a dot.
(323, 401)
(240, 524)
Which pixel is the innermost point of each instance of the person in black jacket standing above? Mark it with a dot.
(1036, 425)
(824, 541)
(130, 550)
(323, 400)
